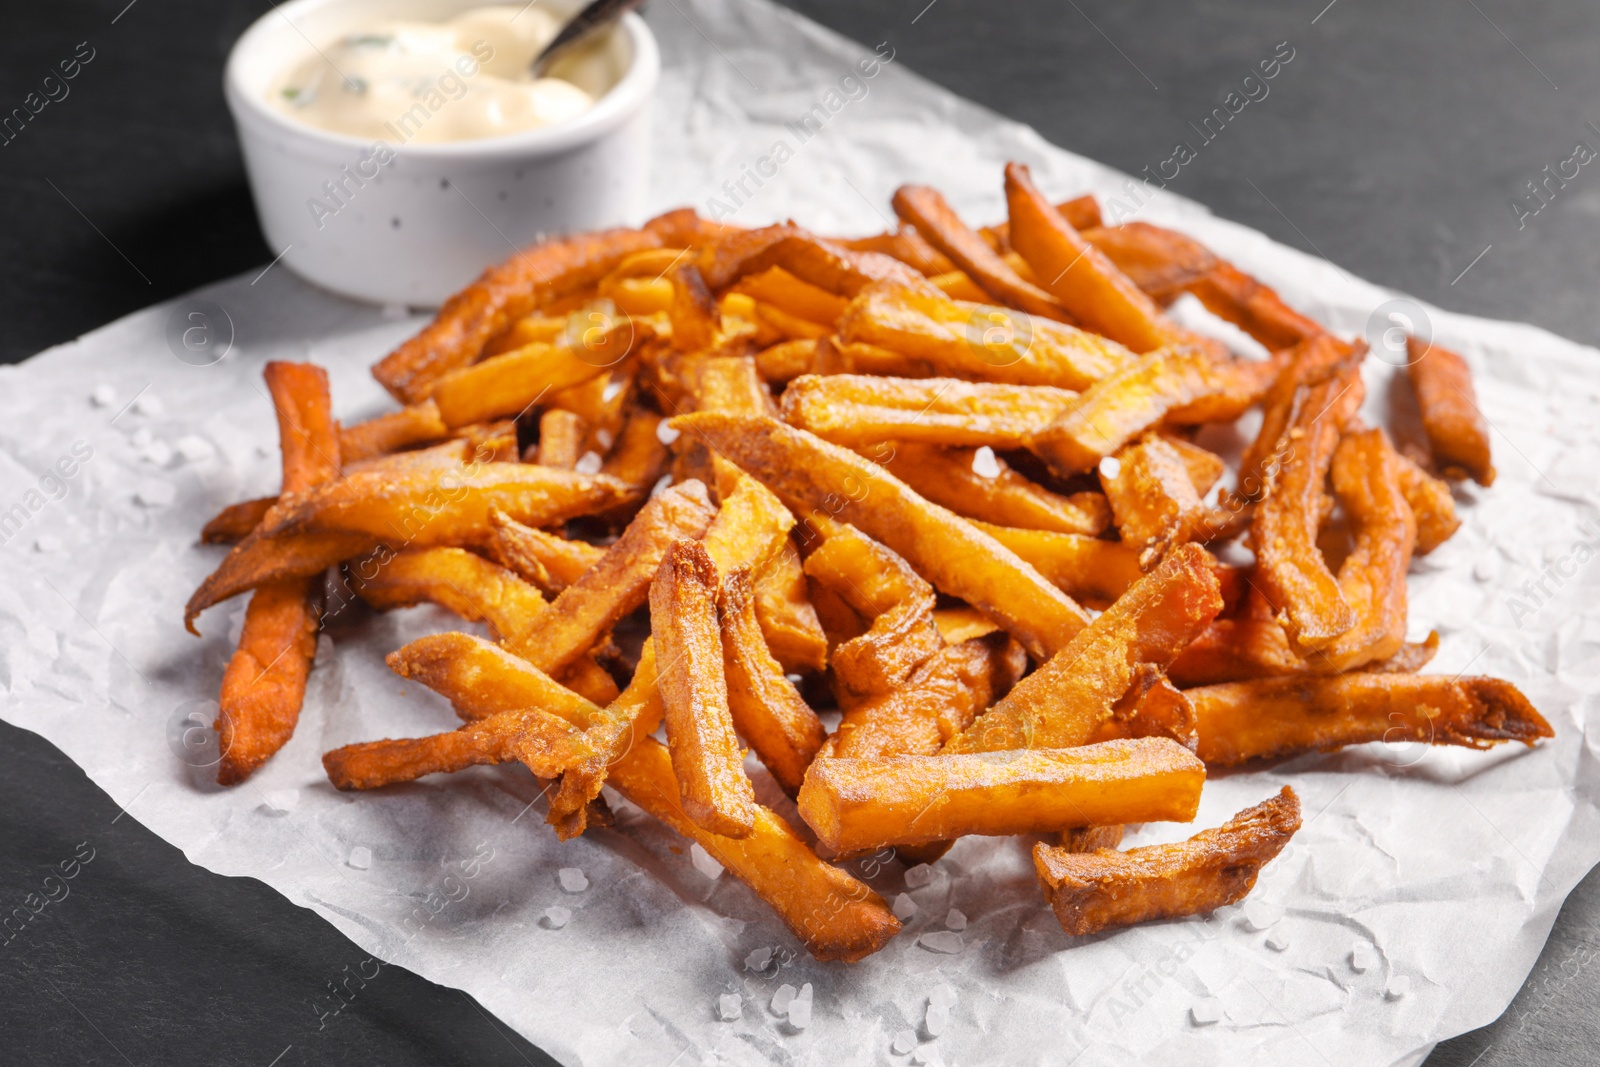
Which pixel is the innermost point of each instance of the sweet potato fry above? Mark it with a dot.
(1085, 568)
(981, 342)
(411, 508)
(1152, 707)
(783, 607)
(1161, 262)
(1122, 405)
(412, 425)
(619, 581)
(1083, 212)
(851, 409)
(545, 743)
(1289, 567)
(1204, 467)
(264, 685)
(1272, 718)
(1100, 890)
(234, 522)
(941, 227)
(1306, 365)
(526, 331)
(906, 245)
(938, 701)
(881, 586)
(639, 458)
(960, 624)
(947, 550)
(1233, 295)
(727, 383)
(560, 439)
(706, 758)
(511, 383)
(501, 296)
(787, 360)
(1090, 838)
(836, 916)
(766, 708)
(856, 804)
(811, 259)
(1457, 432)
(1065, 701)
(1153, 499)
(552, 563)
(1080, 277)
(454, 578)
(782, 290)
(950, 477)
(1431, 504)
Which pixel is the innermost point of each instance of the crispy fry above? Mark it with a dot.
(1085, 568)
(1289, 566)
(1081, 278)
(787, 360)
(234, 522)
(706, 758)
(639, 458)
(510, 383)
(782, 290)
(1152, 707)
(413, 425)
(851, 409)
(880, 585)
(411, 508)
(960, 624)
(525, 331)
(1204, 467)
(545, 743)
(1065, 701)
(1431, 504)
(1305, 365)
(906, 245)
(1082, 211)
(1163, 263)
(560, 438)
(1090, 838)
(825, 265)
(949, 477)
(938, 701)
(1094, 891)
(836, 916)
(1457, 431)
(727, 383)
(947, 550)
(981, 342)
(454, 578)
(767, 710)
(941, 227)
(501, 296)
(1153, 499)
(1231, 294)
(552, 563)
(783, 606)
(1273, 718)
(1124, 404)
(856, 804)
(264, 685)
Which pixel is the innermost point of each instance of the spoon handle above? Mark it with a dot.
(594, 17)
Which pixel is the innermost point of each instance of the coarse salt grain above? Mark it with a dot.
(1278, 940)
(783, 998)
(1398, 986)
(936, 1020)
(729, 1007)
(612, 390)
(919, 876)
(984, 463)
(588, 463)
(1259, 914)
(149, 404)
(941, 941)
(103, 396)
(800, 1008)
(603, 438)
(1206, 1011)
(360, 857)
(927, 1056)
(141, 438)
(704, 862)
(956, 919)
(758, 959)
(943, 995)
(666, 434)
(1110, 467)
(572, 879)
(195, 448)
(47, 543)
(158, 452)
(556, 917)
(904, 1041)
(904, 907)
(1362, 957)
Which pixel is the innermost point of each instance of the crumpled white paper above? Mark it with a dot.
(1437, 872)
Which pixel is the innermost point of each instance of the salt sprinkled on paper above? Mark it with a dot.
(729, 1007)
(360, 857)
(1206, 1011)
(47, 543)
(1278, 940)
(758, 959)
(941, 941)
(943, 995)
(556, 917)
(704, 862)
(936, 1020)
(928, 1056)
(1398, 986)
(904, 907)
(1362, 957)
(984, 465)
(904, 1042)
(281, 802)
(783, 998)
(1259, 914)
(919, 876)
(103, 396)
(800, 1008)
(194, 448)
(572, 879)
(149, 404)
(158, 452)
(140, 439)
(956, 920)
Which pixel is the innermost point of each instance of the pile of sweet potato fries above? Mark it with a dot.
(943, 480)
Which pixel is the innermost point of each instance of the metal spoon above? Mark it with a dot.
(593, 19)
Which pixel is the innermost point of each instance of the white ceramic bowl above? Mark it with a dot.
(431, 219)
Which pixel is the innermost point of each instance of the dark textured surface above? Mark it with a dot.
(1392, 144)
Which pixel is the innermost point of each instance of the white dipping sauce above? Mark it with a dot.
(435, 82)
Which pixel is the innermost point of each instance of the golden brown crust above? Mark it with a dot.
(1457, 431)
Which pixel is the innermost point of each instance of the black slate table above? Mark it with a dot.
(1399, 144)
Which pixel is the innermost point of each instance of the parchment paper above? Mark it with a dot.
(1448, 865)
